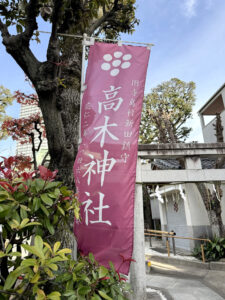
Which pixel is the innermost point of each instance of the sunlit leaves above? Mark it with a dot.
(165, 111)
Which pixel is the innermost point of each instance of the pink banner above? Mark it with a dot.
(105, 167)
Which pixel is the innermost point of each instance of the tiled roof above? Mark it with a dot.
(168, 164)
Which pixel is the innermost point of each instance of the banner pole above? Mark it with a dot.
(149, 45)
(137, 269)
(82, 79)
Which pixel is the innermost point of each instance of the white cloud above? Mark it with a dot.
(190, 8)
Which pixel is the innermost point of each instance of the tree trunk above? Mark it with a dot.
(213, 208)
(148, 222)
(60, 106)
(59, 100)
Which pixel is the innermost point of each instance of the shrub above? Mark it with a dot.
(213, 250)
(32, 266)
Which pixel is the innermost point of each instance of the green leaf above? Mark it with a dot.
(8, 248)
(24, 207)
(24, 222)
(84, 290)
(54, 296)
(35, 278)
(63, 277)
(44, 209)
(218, 248)
(51, 185)
(46, 199)
(79, 266)
(4, 207)
(36, 203)
(49, 226)
(33, 250)
(77, 212)
(32, 224)
(91, 257)
(39, 184)
(29, 262)
(56, 246)
(4, 195)
(102, 272)
(69, 293)
(2, 254)
(61, 210)
(10, 280)
(54, 267)
(14, 254)
(103, 295)
(65, 192)
(57, 258)
(23, 213)
(112, 266)
(95, 297)
(38, 242)
(64, 251)
(120, 297)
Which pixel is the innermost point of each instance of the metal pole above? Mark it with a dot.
(137, 270)
(150, 241)
(82, 80)
(149, 45)
(174, 247)
(168, 246)
(203, 253)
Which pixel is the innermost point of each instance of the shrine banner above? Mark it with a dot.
(105, 167)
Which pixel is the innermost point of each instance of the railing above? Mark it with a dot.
(172, 235)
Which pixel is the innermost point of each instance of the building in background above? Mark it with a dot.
(215, 105)
(26, 149)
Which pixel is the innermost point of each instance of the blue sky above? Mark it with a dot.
(189, 43)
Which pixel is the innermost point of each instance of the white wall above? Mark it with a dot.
(196, 214)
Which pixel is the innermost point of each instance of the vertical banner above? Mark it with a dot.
(105, 167)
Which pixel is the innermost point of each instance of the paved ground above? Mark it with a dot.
(176, 288)
(184, 279)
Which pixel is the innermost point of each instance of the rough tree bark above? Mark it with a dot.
(147, 208)
(212, 199)
(212, 202)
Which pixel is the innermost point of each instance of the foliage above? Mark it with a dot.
(32, 206)
(29, 129)
(77, 15)
(165, 111)
(22, 129)
(51, 274)
(214, 250)
(5, 99)
(57, 79)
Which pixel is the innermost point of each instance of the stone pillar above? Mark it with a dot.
(137, 270)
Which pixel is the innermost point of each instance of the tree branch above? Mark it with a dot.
(39, 136)
(31, 23)
(53, 51)
(44, 158)
(18, 45)
(4, 30)
(104, 18)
